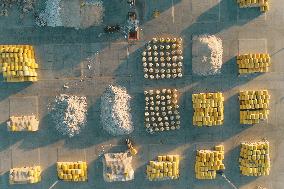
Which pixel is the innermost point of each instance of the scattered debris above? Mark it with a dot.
(207, 53)
(65, 86)
(260, 187)
(25, 6)
(69, 114)
(156, 13)
(115, 111)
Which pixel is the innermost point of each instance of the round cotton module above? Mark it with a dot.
(149, 53)
(155, 53)
(162, 47)
(144, 53)
(148, 48)
(154, 40)
(168, 40)
(155, 47)
(147, 125)
(162, 40)
(144, 59)
(179, 52)
(115, 111)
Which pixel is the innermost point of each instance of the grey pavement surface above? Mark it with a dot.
(64, 55)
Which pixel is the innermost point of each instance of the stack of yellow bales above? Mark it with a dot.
(167, 167)
(208, 162)
(263, 4)
(72, 171)
(253, 63)
(23, 123)
(25, 175)
(253, 106)
(18, 63)
(208, 109)
(254, 158)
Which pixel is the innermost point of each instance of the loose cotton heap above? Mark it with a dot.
(115, 111)
(69, 113)
(207, 52)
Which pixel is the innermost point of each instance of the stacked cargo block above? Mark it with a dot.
(208, 162)
(72, 171)
(263, 4)
(18, 63)
(161, 110)
(208, 109)
(167, 167)
(254, 158)
(162, 58)
(253, 63)
(23, 123)
(25, 175)
(253, 106)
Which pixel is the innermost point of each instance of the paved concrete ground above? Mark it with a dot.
(64, 55)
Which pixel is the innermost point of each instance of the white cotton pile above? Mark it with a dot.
(51, 15)
(69, 113)
(115, 111)
(207, 53)
(71, 13)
